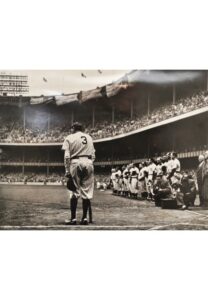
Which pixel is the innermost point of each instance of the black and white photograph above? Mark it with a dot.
(104, 149)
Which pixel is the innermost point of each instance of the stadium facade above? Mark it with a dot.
(169, 123)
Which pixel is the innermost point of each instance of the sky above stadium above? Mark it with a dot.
(56, 82)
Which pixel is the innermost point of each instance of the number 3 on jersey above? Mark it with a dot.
(84, 140)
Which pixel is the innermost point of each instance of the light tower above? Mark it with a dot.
(13, 85)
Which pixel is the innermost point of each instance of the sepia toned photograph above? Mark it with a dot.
(103, 150)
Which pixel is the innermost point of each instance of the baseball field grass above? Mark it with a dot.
(24, 207)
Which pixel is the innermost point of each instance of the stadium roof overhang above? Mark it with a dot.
(135, 77)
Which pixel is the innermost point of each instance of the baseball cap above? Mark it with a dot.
(201, 157)
(77, 126)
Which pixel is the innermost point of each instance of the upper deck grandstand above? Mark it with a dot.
(128, 107)
(140, 115)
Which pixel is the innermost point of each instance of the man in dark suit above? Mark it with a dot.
(188, 188)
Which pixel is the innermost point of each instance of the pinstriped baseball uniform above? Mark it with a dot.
(134, 173)
(125, 180)
(80, 150)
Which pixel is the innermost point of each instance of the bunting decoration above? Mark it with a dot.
(41, 100)
(114, 88)
(108, 91)
(65, 99)
(92, 94)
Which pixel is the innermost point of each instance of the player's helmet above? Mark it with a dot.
(77, 126)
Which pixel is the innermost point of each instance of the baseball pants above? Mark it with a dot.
(82, 172)
(125, 185)
(133, 185)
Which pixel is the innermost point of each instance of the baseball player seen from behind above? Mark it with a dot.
(78, 158)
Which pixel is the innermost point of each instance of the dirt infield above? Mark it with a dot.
(46, 207)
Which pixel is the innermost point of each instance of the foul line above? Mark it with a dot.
(196, 213)
(177, 224)
(99, 227)
(76, 227)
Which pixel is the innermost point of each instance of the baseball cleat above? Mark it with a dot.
(71, 222)
(84, 222)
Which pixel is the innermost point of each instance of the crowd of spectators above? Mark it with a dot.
(101, 180)
(103, 130)
(12, 131)
(11, 177)
(17, 134)
(14, 177)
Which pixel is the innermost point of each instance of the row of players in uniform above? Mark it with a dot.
(154, 179)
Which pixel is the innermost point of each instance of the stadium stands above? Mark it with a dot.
(31, 135)
(13, 131)
(14, 177)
